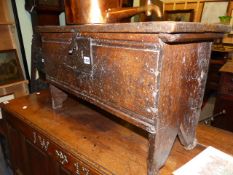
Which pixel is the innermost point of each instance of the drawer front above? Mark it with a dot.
(74, 164)
(228, 78)
(227, 89)
(66, 160)
(119, 74)
(226, 85)
(225, 120)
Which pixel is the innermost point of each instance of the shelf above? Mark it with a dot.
(190, 1)
(11, 70)
(222, 49)
(7, 23)
(220, 62)
(6, 41)
(18, 88)
(4, 11)
(6, 50)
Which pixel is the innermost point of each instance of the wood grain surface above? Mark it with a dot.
(103, 140)
(142, 27)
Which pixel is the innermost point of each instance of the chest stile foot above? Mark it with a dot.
(58, 97)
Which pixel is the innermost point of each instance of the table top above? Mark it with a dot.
(86, 130)
(142, 27)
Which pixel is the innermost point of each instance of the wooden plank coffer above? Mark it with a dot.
(151, 75)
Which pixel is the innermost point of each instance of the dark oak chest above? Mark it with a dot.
(151, 75)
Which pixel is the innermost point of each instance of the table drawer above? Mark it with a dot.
(226, 86)
(68, 161)
(228, 78)
(227, 89)
(75, 162)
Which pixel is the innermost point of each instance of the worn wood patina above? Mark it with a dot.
(151, 75)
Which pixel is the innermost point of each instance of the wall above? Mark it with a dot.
(136, 3)
(26, 29)
(62, 19)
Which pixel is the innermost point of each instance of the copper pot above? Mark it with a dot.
(103, 11)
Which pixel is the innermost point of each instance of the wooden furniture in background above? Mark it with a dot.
(149, 74)
(10, 32)
(12, 81)
(11, 71)
(42, 12)
(179, 15)
(196, 5)
(9, 92)
(82, 139)
(6, 41)
(224, 101)
(219, 57)
(18, 89)
(6, 27)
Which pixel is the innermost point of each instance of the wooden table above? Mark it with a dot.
(98, 141)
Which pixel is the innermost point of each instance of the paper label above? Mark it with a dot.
(87, 60)
(211, 161)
